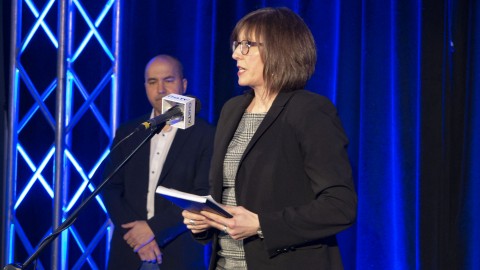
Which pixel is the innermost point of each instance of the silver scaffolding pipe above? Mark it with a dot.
(116, 68)
(61, 179)
(59, 184)
(11, 157)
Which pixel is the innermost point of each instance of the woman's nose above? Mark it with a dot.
(236, 55)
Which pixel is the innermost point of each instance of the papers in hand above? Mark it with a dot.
(191, 202)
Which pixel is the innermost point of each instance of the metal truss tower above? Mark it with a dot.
(62, 118)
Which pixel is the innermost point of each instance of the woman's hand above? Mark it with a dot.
(243, 224)
(195, 222)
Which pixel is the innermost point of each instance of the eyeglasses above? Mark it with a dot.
(244, 45)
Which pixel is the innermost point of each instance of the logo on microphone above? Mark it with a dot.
(179, 98)
(189, 113)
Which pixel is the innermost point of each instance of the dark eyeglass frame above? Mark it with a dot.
(244, 45)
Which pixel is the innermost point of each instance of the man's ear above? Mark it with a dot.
(185, 83)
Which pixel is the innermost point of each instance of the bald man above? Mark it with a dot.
(149, 231)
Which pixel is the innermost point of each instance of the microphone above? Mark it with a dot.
(177, 110)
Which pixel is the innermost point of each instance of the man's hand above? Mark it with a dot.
(150, 253)
(139, 234)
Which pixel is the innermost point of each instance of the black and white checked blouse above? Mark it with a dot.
(231, 253)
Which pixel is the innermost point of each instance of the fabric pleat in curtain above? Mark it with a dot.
(405, 78)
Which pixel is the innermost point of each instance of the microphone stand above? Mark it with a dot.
(71, 219)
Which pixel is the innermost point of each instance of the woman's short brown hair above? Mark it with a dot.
(288, 48)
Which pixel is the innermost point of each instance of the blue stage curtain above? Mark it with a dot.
(404, 76)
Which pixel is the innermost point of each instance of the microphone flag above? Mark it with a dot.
(186, 105)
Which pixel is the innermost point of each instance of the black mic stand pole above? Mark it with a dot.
(69, 221)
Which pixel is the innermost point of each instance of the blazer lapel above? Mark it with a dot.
(141, 160)
(228, 130)
(223, 136)
(180, 140)
(277, 107)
